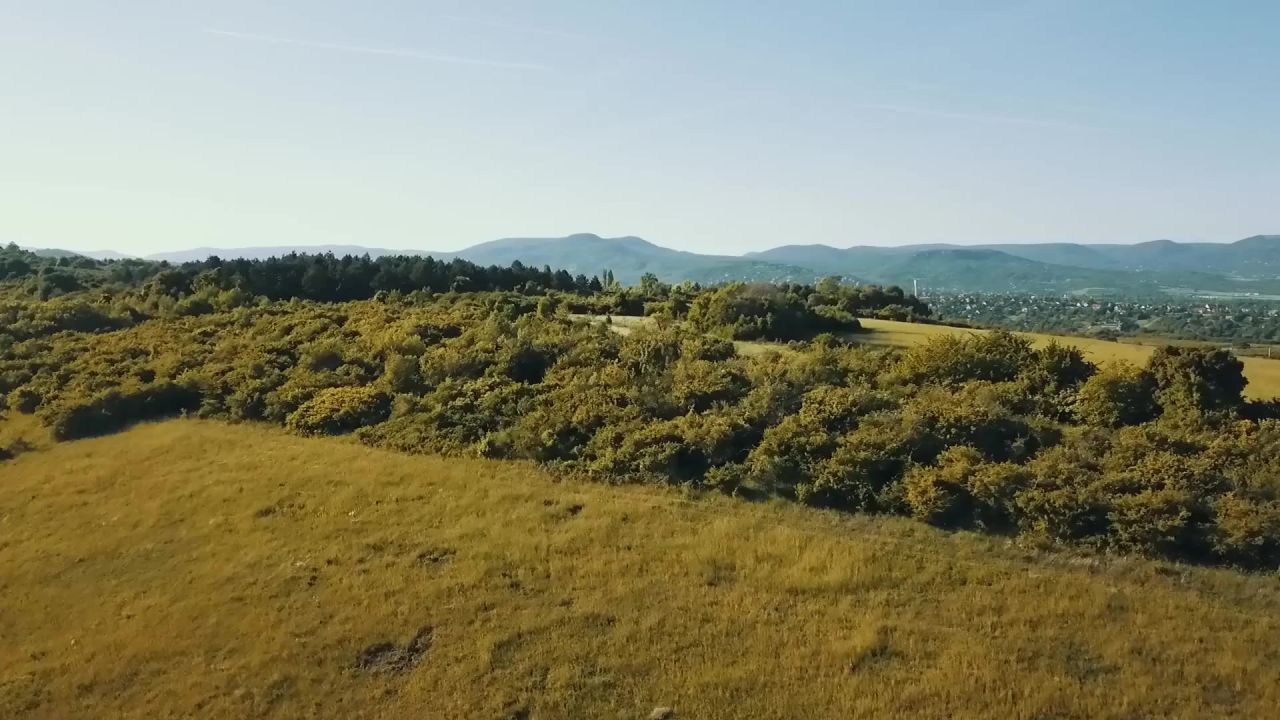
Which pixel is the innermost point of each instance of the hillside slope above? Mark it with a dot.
(196, 569)
(1248, 266)
(1256, 256)
(996, 271)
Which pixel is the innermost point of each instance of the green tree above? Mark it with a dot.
(650, 286)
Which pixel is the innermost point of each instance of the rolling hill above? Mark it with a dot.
(629, 258)
(1257, 256)
(1002, 269)
(92, 254)
(194, 569)
(998, 271)
(1251, 265)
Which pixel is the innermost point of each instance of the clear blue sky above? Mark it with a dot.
(144, 125)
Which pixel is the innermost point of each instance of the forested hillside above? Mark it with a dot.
(1145, 270)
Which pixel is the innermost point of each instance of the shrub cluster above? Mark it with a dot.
(118, 407)
(983, 431)
(338, 410)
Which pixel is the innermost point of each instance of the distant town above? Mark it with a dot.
(1240, 322)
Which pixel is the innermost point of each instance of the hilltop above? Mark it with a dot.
(630, 258)
(193, 568)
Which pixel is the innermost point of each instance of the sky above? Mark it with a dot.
(725, 127)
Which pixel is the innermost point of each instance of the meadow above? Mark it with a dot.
(195, 568)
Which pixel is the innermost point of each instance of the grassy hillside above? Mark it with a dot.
(198, 569)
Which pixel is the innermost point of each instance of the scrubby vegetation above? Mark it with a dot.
(982, 431)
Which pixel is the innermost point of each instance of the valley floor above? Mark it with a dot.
(197, 569)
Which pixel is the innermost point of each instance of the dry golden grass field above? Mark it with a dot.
(192, 569)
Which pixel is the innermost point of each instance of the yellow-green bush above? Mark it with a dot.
(1246, 529)
(964, 489)
(338, 410)
(937, 494)
(117, 408)
(1120, 394)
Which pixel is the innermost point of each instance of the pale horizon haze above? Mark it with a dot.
(719, 127)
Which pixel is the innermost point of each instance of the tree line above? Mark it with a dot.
(138, 289)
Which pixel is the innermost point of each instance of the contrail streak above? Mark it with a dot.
(390, 52)
(512, 27)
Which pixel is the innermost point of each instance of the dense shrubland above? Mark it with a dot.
(983, 431)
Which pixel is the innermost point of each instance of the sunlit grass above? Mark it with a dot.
(197, 569)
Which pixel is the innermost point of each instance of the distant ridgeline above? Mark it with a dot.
(781, 311)
(1149, 269)
(1152, 269)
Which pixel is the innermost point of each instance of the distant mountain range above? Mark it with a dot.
(95, 254)
(1249, 266)
(1257, 256)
